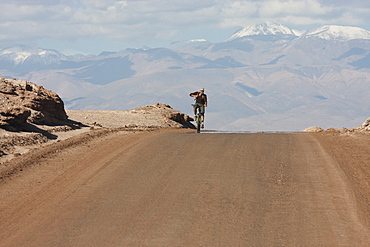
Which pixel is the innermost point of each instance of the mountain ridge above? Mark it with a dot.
(256, 82)
(339, 32)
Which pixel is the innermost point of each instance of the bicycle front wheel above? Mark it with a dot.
(199, 123)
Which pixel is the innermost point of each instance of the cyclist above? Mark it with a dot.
(200, 102)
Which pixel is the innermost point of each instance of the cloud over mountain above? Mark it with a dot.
(90, 26)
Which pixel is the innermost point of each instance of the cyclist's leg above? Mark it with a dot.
(202, 111)
(195, 106)
(197, 109)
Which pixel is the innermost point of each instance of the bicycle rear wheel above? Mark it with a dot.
(198, 126)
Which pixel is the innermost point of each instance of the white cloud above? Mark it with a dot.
(150, 21)
(346, 3)
(291, 7)
(296, 13)
(244, 12)
(37, 2)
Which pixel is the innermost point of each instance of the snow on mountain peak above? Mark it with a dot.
(333, 32)
(20, 53)
(266, 28)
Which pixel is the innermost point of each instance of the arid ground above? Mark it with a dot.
(179, 188)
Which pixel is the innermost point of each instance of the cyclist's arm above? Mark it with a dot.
(195, 94)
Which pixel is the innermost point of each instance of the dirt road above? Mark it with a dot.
(187, 189)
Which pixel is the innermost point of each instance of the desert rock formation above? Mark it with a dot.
(23, 101)
(366, 125)
(364, 128)
(170, 116)
(314, 129)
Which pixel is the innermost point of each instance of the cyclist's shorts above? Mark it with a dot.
(201, 107)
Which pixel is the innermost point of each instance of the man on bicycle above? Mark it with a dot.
(200, 102)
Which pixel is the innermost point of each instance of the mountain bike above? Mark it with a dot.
(198, 117)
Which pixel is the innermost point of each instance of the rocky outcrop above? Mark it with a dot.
(14, 116)
(171, 117)
(366, 124)
(23, 101)
(313, 129)
(364, 128)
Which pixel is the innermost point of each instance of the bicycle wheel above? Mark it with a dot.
(199, 123)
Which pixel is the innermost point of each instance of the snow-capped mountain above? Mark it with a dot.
(263, 29)
(264, 77)
(21, 54)
(333, 32)
(335, 45)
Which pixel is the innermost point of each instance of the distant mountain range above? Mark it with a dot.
(264, 77)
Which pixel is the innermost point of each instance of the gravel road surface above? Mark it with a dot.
(179, 188)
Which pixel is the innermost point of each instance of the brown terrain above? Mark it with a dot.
(141, 178)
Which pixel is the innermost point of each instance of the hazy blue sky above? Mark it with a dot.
(93, 26)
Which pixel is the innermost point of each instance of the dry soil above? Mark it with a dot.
(179, 188)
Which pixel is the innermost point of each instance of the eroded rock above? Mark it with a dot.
(22, 101)
(171, 117)
(314, 129)
(366, 124)
(364, 128)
